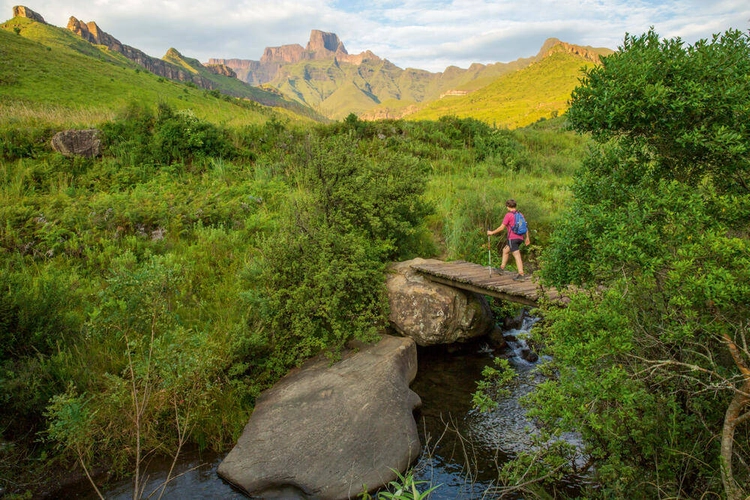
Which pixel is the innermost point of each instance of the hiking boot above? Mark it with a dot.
(519, 277)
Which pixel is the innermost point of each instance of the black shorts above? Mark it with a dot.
(514, 245)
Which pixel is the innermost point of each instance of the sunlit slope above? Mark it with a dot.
(49, 73)
(514, 100)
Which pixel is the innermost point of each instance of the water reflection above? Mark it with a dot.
(194, 478)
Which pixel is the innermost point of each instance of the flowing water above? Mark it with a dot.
(462, 446)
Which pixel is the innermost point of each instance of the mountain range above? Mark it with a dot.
(325, 76)
(322, 80)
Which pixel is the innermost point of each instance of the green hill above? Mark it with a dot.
(336, 88)
(514, 100)
(49, 73)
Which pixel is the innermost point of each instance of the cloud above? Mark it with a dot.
(425, 34)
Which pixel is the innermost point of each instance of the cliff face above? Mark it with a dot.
(321, 41)
(285, 54)
(93, 34)
(220, 69)
(21, 11)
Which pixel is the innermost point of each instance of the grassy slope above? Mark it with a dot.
(346, 99)
(516, 99)
(51, 74)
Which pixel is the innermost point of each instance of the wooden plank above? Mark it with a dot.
(521, 299)
(480, 279)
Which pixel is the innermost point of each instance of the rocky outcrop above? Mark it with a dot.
(220, 69)
(552, 45)
(248, 71)
(321, 45)
(93, 34)
(325, 44)
(325, 431)
(21, 11)
(432, 313)
(78, 143)
(286, 54)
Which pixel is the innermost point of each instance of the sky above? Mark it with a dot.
(423, 34)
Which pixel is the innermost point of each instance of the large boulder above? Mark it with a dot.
(78, 142)
(432, 313)
(325, 431)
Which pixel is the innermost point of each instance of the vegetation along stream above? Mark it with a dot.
(462, 446)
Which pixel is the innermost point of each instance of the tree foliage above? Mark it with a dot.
(323, 270)
(652, 364)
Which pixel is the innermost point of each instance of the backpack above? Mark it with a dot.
(519, 224)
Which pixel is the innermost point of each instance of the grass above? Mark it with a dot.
(469, 197)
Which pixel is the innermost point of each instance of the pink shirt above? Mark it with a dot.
(508, 221)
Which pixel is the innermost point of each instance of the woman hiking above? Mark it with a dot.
(515, 222)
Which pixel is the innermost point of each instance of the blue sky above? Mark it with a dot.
(425, 34)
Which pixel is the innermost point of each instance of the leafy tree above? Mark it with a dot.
(652, 364)
(322, 276)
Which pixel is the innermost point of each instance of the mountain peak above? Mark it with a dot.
(324, 41)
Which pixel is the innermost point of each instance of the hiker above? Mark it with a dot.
(513, 221)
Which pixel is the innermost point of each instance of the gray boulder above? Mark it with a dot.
(324, 432)
(78, 143)
(433, 313)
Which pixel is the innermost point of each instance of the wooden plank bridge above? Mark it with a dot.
(482, 279)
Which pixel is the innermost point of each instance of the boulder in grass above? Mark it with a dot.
(78, 143)
(328, 431)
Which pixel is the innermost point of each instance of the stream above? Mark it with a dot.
(462, 446)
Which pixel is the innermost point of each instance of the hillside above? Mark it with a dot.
(52, 71)
(541, 90)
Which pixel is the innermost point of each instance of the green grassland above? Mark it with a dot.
(517, 99)
(52, 74)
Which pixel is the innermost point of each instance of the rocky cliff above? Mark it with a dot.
(220, 69)
(21, 11)
(321, 46)
(92, 33)
(588, 53)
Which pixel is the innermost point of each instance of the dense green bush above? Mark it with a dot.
(24, 142)
(323, 270)
(165, 138)
(650, 356)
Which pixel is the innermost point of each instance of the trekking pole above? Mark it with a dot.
(489, 253)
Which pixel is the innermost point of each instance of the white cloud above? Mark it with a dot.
(425, 34)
